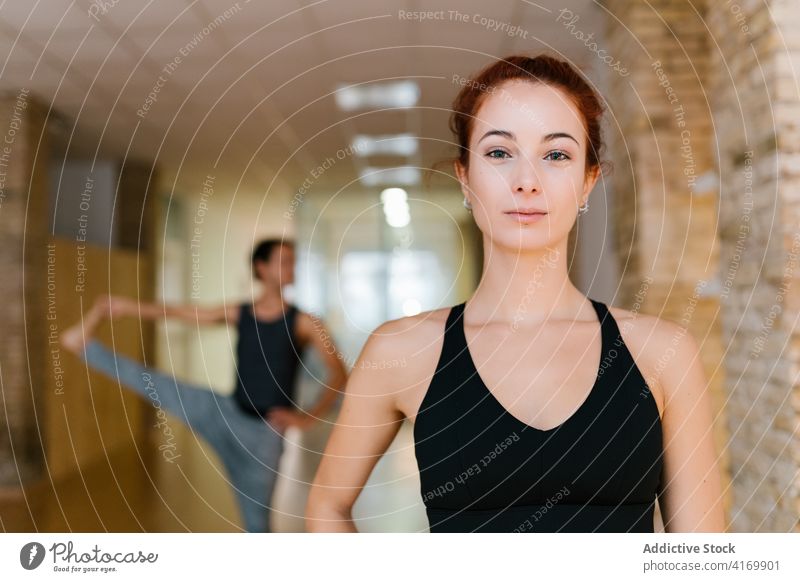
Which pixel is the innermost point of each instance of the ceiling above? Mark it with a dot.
(250, 100)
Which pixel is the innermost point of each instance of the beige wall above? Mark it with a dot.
(89, 416)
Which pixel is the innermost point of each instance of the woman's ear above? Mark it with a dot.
(257, 266)
(461, 174)
(590, 180)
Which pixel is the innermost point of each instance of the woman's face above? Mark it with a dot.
(527, 154)
(280, 267)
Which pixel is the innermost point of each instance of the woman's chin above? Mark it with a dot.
(526, 244)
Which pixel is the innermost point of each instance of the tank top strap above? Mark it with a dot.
(453, 345)
(244, 313)
(450, 379)
(291, 317)
(612, 339)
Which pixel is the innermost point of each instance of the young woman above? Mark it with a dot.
(246, 428)
(530, 406)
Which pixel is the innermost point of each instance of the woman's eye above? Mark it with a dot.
(497, 157)
(563, 155)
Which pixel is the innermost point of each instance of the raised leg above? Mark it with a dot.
(195, 406)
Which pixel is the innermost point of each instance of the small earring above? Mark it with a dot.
(585, 208)
(467, 205)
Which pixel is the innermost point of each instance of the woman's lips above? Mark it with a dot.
(526, 217)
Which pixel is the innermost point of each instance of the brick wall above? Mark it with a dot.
(754, 99)
(23, 254)
(732, 66)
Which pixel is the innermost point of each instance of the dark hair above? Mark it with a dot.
(263, 251)
(539, 69)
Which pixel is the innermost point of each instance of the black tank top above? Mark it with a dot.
(484, 470)
(267, 359)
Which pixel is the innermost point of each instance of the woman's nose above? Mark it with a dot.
(526, 177)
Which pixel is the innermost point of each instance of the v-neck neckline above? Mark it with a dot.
(592, 391)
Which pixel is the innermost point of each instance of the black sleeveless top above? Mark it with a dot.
(267, 359)
(484, 470)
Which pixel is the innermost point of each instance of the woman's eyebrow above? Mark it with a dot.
(552, 136)
(509, 135)
(500, 132)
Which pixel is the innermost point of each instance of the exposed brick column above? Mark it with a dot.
(23, 256)
(665, 176)
(754, 97)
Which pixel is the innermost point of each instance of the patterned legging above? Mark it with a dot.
(249, 447)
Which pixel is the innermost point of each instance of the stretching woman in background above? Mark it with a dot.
(246, 428)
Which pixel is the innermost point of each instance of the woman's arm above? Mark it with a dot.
(316, 335)
(311, 331)
(367, 424)
(691, 496)
(124, 306)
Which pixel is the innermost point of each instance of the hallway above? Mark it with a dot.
(149, 146)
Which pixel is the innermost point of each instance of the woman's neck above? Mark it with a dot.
(271, 297)
(525, 287)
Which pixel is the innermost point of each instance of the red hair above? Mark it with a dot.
(539, 69)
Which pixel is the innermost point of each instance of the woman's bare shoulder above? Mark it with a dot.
(406, 349)
(412, 328)
(655, 344)
(651, 334)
